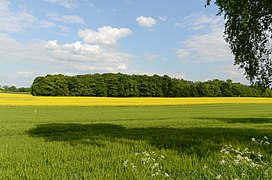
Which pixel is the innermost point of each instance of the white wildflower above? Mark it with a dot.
(239, 157)
(222, 162)
(247, 159)
(265, 137)
(158, 172)
(148, 160)
(224, 150)
(146, 153)
(243, 174)
(133, 165)
(155, 165)
(237, 151)
(145, 160)
(253, 139)
(259, 155)
(266, 143)
(218, 177)
(236, 162)
(125, 163)
(253, 165)
(246, 150)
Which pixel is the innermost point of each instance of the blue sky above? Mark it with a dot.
(182, 39)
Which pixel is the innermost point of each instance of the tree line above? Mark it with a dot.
(123, 85)
(248, 31)
(14, 89)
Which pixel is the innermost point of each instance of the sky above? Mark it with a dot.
(181, 39)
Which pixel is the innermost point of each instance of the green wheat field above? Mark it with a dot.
(215, 141)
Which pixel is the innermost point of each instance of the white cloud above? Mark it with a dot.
(46, 57)
(73, 19)
(151, 57)
(155, 57)
(163, 18)
(97, 68)
(231, 72)
(59, 29)
(128, 2)
(81, 52)
(200, 21)
(105, 35)
(182, 53)
(23, 74)
(122, 67)
(177, 75)
(46, 24)
(70, 4)
(209, 47)
(14, 21)
(148, 22)
(206, 46)
(22, 21)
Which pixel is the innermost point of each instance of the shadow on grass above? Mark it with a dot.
(199, 141)
(240, 120)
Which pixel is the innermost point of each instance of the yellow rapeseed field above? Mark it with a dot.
(29, 100)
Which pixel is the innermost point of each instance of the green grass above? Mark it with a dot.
(133, 142)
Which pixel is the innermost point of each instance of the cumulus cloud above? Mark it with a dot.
(69, 4)
(105, 35)
(54, 52)
(14, 21)
(208, 45)
(82, 52)
(148, 22)
(231, 72)
(45, 57)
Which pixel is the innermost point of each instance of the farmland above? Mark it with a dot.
(135, 138)
(28, 100)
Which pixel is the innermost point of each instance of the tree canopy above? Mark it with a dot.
(6, 88)
(248, 30)
(123, 85)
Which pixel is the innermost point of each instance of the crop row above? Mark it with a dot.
(28, 100)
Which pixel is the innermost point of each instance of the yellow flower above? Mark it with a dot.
(29, 100)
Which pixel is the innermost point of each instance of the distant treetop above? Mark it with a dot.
(122, 85)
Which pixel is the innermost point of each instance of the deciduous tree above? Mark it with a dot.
(248, 30)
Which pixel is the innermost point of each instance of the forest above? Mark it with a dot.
(123, 85)
(13, 89)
